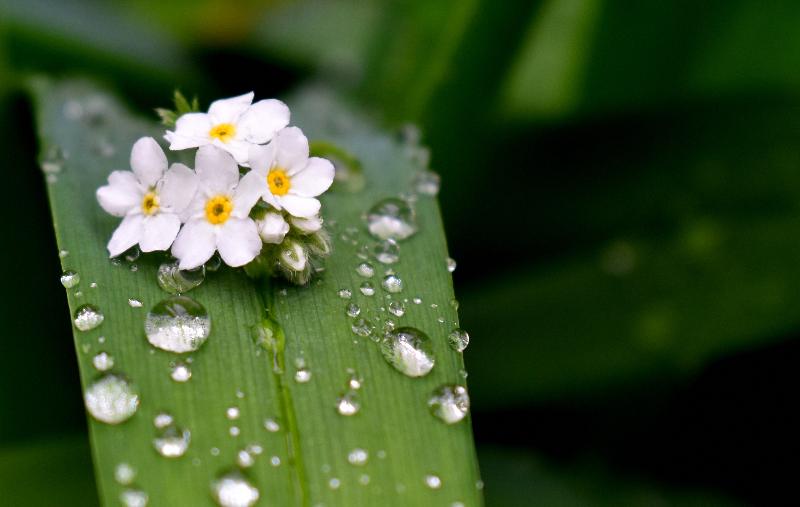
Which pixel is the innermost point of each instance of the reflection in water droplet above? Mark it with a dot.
(124, 474)
(362, 327)
(387, 251)
(234, 431)
(70, 279)
(232, 413)
(345, 293)
(392, 283)
(449, 403)
(275, 461)
(111, 399)
(177, 324)
(427, 183)
(162, 420)
(134, 303)
(302, 375)
(88, 317)
(177, 281)
(365, 269)
(181, 372)
(234, 490)
(244, 459)
(103, 361)
(391, 218)
(348, 404)
(409, 350)
(133, 498)
(433, 481)
(353, 310)
(458, 339)
(367, 289)
(451, 264)
(358, 457)
(172, 441)
(397, 308)
(271, 425)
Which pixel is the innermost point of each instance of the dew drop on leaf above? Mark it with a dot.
(88, 317)
(232, 413)
(427, 183)
(387, 251)
(345, 293)
(177, 324)
(367, 289)
(433, 481)
(134, 303)
(391, 219)
(271, 425)
(392, 283)
(172, 441)
(458, 339)
(449, 403)
(232, 489)
(348, 404)
(103, 361)
(362, 327)
(358, 457)
(353, 310)
(177, 281)
(133, 498)
(111, 399)
(302, 375)
(397, 308)
(180, 372)
(70, 279)
(451, 264)
(409, 351)
(365, 269)
(124, 474)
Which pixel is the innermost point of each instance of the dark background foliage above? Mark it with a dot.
(620, 190)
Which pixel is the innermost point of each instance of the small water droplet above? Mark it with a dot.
(417, 301)
(177, 324)
(93, 285)
(134, 303)
(381, 454)
(103, 361)
(334, 483)
(345, 293)
(111, 399)
(255, 449)
(132, 254)
(172, 441)
(427, 183)
(214, 451)
(449, 403)
(234, 431)
(176, 281)
(391, 219)
(88, 317)
(354, 382)
(232, 413)
(240, 394)
(348, 404)
(392, 283)
(363, 479)
(181, 372)
(302, 375)
(124, 474)
(232, 489)
(133, 498)
(162, 420)
(213, 264)
(70, 279)
(362, 327)
(451, 264)
(63, 253)
(244, 459)
(358, 457)
(433, 481)
(53, 161)
(353, 310)
(275, 461)
(409, 350)
(458, 339)
(271, 425)
(387, 251)
(367, 289)
(365, 269)
(397, 308)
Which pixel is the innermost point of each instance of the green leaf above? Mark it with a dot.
(404, 441)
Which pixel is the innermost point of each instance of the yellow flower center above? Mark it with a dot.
(218, 209)
(224, 132)
(150, 203)
(279, 183)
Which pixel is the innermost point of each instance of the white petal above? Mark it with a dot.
(303, 207)
(229, 110)
(262, 120)
(191, 130)
(127, 234)
(237, 148)
(238, 241)
(177, 188)
(122, 193)
(293, 255)
(314, 179)
(261, 158)
(216, 169)
(307, 225)
(159, 231)
(251, 188)
(195, 244)
(148, 161)
(291, 150)
(272, 228)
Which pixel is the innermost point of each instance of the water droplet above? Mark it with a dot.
(451, 264)
(134, 303)
(391, 219)
(449, 403)
(172, 441)
(353, 310)
(302, 375)
(271, 425)
(409, 350)
(397, 308)
(358, 457)
(427, 183)
(124, 474)
(162, 420)
(177, 281)
(214, 451)
(417, 301)
(244, 459)
(363, 479)
(348, 404)
(181, 372)
(367, 289)
(234, 431)
(232, 413)
(103, 361)
(63, 253)
(334, 483)
(457, 504)
(362, 327)
(53, 161)
(177, 324)
(354, 382)
(70, 279)
(88, 317)
(133, 498)
(381, 454)
(345, 293)
(387, 251)
(365, 269)
(433, 481)
(111, 399)
(458, 339)
(392, 283)
(255, 449)
(234, 490)
(214, 263)
(240, 394)
(275, 461)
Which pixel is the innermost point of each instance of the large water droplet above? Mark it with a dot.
(111, 399)
(234, 490)
(458, 339)
(387, 251)
(181, 372)
(88, 317)
(358, 457)
(427, 183)
(177, 281)
(103, 361)
(70, 279)
(177, 324)
(133, 498)
(449, 403)
(409, 350)
(391, 218)
(392, 283)
(172, 441)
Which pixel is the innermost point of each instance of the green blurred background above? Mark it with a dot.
(621, 189)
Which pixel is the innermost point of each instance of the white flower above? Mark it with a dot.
(307, 225)
(218, 215)
(286, 177)
(233, 124)
(150, 198)
(272, 227)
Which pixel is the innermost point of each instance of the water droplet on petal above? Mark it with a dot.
(234, 490)
(449, 403)
(88, 317)
(181, 372)
(178, 281)
(111, 399)
(391, 219)
(392, 283)
(358, 457)
(433, 481)
(409, 350)
(451, 264)
(365, 269)
(367, 289)
(124, 474)
(103, 361)
(458, 339)
(70, 279)
(427, 183)
(177, 324)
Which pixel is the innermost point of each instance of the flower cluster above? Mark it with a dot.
(266, 218)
